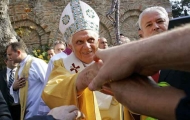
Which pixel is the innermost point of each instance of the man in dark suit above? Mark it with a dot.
(6, 80)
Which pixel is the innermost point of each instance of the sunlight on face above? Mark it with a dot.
(154, 22)
(59, 48)
(84, 44)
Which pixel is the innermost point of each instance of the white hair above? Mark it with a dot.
(150, 9)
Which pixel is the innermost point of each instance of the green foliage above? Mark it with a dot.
(179, 8)
(41, 53)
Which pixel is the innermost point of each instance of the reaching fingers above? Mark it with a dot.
(99, 80)
(106, 90)
(96, 59)
(22, 83)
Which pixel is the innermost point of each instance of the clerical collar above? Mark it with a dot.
(24, 60)
(86, 65)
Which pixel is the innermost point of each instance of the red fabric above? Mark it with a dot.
(156, 76)
(68, 51)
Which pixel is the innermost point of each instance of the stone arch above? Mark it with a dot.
(35, 35)
(29, 21)
(128, 24)
(106, 29)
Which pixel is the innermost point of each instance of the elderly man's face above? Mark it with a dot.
(103, 43)
(84, 44)
(154, 22)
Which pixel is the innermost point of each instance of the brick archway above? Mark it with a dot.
(33, 35)
(129, 25)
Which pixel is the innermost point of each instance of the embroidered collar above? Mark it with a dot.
(73, 64)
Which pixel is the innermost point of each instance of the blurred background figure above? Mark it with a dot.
(68, 50)
(103, 43)
(50, 52)
(59, 46)
(140, 33)
(124, 40)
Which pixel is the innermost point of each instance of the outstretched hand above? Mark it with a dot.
(118, 63)
(115, 67)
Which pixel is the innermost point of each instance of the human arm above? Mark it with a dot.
(49, 69)
(86, 75)
(143, 96)
(39, 67)
(166, 50)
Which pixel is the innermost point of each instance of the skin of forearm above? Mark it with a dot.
(167, 50)
(143, 96)
(85, 76)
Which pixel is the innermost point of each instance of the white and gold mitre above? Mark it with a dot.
(78, 16)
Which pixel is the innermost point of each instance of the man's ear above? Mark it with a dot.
(140, 32)
(18, 52)
(6, 61)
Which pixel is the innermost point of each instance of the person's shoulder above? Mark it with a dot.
(58, 56)
(3, 71)
(38, 61)
(58, 62)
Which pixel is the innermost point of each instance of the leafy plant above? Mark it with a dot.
(41, 53)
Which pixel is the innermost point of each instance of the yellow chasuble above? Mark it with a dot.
(61, 88)
(24, 91)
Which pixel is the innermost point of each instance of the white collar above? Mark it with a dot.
(9, 70)
(24, 60)
(73, 64)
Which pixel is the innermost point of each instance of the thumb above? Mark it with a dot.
(98, 81)
(98, 55)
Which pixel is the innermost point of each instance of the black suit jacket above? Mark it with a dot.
(4, 111)
(177, 79)
(3, 87)
(13, 108)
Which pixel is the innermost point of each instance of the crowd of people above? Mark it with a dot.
(87, 79)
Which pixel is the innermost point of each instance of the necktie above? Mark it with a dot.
(11, 78)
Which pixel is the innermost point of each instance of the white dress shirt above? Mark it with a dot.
(36, 83)
(9, 72)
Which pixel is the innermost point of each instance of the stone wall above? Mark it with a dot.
(39, 19)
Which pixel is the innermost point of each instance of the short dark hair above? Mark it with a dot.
(121, 34)
(17, 46)
(49, 48)
(5, 57)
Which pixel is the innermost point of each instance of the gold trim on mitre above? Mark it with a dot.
(78, 16)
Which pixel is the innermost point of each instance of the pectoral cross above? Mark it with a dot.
(74, 68)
